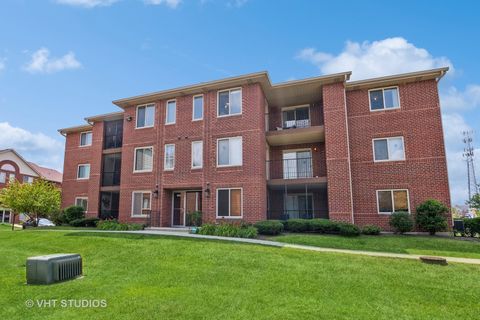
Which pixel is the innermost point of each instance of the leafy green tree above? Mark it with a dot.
(432, 216)
(474, 202)
(39, 198)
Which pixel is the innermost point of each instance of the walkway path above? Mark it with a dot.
(184, 234)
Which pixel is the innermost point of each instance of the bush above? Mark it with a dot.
(324, 226)
(73, 213)
(297, 225)
(269, 227)
(431, 216)
(194, 218)
(57, 217)
(401, 222)
(117, 226)
(472, 226)
(85, 222)
(348, 230)
(371, 230)
(229, 230)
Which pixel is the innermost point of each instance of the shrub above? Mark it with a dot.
(371, 230)
(117, 226)
(229, 230)
(269, 227)
(194, 218)
(73, 213)
(85, 222)
(323, 226)
(431, 216)
(57, 217)
(297, 225)
(348, 230)
(472, 226)
(401, 222)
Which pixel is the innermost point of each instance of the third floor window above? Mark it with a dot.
(229, 102)
(145, 116)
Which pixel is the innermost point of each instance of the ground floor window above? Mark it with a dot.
(141, 203)
(82, 202)
(5, 216)
(229, 202)
(389, 201)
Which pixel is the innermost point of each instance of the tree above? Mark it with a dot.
(39, 198)
(431, 216)
(474, 202)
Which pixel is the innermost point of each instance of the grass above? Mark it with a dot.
(425, 245)
(150, 277)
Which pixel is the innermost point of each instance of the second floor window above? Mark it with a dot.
(143, 159)
(86, 138)
(197, 108)
(145, 116)
(386, 98)
(171, 112)
(229, 102)
(197, 154)
(388, 149)
(229, 152)
(83, 171)
(169, 157)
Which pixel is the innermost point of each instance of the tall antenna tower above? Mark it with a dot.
(473, 187)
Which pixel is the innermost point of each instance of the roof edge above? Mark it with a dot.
(75, 129)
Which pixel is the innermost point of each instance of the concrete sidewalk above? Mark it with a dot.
(184, 234)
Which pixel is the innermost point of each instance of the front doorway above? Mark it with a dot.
(184, 203)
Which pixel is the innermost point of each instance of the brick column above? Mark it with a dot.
(337, 153)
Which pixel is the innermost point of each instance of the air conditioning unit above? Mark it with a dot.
(53, 268)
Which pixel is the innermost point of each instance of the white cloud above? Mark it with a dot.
(169, 3)
(374, 59)
(41, 62)
(87, 3)
(453, 99)
(35, 147)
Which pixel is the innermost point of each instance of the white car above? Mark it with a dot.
(42, 222)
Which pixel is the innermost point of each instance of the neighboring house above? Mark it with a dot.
(14, 167)
(243, 148)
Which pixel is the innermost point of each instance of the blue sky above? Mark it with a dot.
(63, 60)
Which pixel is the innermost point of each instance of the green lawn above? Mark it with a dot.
(148, 277)
(425, 245)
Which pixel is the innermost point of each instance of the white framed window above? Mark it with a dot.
(83, 171)
(86, 139)
(229, 203)
(3, 177)
(143, 159)
(197, 154)
(145, 116)
(296, 117)
(384, 98)
(27, 179)
(141, 203)
(388, 149)
(82, 202)
(229, 102)
(11, 177)
(171, 116)
(229, 152)
(169, 161)
(394, 200)
(197, 112)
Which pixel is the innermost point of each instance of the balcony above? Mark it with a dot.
(292, 171)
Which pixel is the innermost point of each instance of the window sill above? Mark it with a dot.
(229, 165)
(228, 218)
(146, 127)
(139, 216)
(229, 115)
(142, 171)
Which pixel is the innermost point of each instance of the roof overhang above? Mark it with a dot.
(107, 116)
(66, 131)
(403, 78)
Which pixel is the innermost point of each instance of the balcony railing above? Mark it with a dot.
(298, 168)
(291, 124)
(293, 214)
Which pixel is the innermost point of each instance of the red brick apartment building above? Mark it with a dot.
(244, 148)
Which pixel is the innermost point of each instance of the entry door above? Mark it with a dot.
(289, 165)
(178, 209)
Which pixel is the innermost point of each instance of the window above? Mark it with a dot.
(3, 177)
(11, 178)
(169, 157)
(229, 152)
(229, 202)
(83, 171)
(389, 201)
(143, 159)
(171, 112)
(197, 108)
(229, 102)
(388, 149)
(113, 134)
(297, 164)
(386, 98)
(296, 117)
(86, 139)
(82, 202)
(197, 154)
(141, 203)
(27, 179)
(111, 169)
(145, 116)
